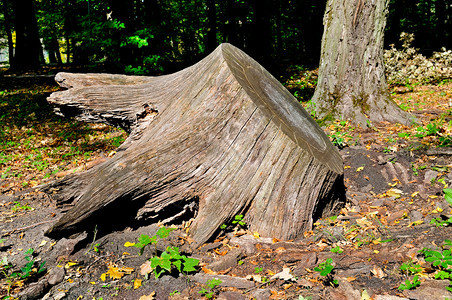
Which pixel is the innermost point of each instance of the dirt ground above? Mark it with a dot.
(394, 190)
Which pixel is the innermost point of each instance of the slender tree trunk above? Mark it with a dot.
(217, 139)
(28, 52)
(352, 84)
(8, 32)
(211, 43)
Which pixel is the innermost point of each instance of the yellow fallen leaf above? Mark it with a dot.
(365, 295)
(415, 223)
(350, 279)
(129, 244)
(437, 210)
(394, 193)
(414, 194)
(114, 273)
(43, 242)
(103, 276)
(92, 282)
(256, 235)
(70, 264)
(376, 241)
(359, 169)
(376, 251)
(150, 297)
(347, 167)
(136, 283)
(70, 280)
(126, 270)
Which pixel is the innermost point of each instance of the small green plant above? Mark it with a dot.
(175, 292)
(172, 257)
(257, 270)
(145, 239)
(441, 259)
(408, 268)
(211, 284)
(448, 195)
(325, 269)
(238, 220)
(440, 222)
(408, 285)
(17, 206)
(337, 249)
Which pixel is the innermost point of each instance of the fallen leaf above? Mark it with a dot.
(208, 271)
(145, 268)
(126, 270)
(114, 272)
(103, 276)
(377, 272)
(256, 235)
(149, 297)
(92, 282)
(359, 169)
(136, 283)
(350, 279)
(43, 242)
(284, 275)
(396, 193)
(365, 295)
(129, 244)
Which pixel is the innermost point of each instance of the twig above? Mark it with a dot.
(26, 227)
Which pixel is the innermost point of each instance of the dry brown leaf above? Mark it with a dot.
(377, 272)
(151, 296)
(145, 268)
(208, 271)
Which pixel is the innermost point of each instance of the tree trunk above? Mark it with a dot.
(28, 51)
(220, 138)
(8, 32)
(352, 84)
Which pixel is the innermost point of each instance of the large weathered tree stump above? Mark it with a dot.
(220, 138)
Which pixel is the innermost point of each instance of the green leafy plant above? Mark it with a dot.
(17, 206)
(238, 220)
(440, 222)
(448, 195)
(211, 284)
(408, 268)
(257, 270)
(408, 285)
(145, 239)
(172, 258)
(337, 249)
(325, 269)
(441, 259)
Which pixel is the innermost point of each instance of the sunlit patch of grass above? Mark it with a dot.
(36, 144)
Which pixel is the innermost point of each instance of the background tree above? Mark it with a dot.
(352, 83)
(28, 51)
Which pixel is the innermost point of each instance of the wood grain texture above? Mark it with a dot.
(352, 84)
(222, 137)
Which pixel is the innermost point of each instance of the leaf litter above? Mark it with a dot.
(395, 177)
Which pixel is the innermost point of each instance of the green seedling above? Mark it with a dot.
(145, 239)
(441, 260)
(408, 285)
(408, 268)
(337, 249)
(325, 269)
(211, 284)
(238, 220)
(257, 270)
(440, 222)
(17, 206)
(172, 258)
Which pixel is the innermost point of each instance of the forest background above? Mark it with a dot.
(161, 36)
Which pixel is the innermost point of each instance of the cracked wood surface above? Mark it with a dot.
(220, 138)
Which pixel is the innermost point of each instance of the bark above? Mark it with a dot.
(8, 32)
(352, 84)
(28, 51)
(220, 138)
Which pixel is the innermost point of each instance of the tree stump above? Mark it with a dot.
(220, 138)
